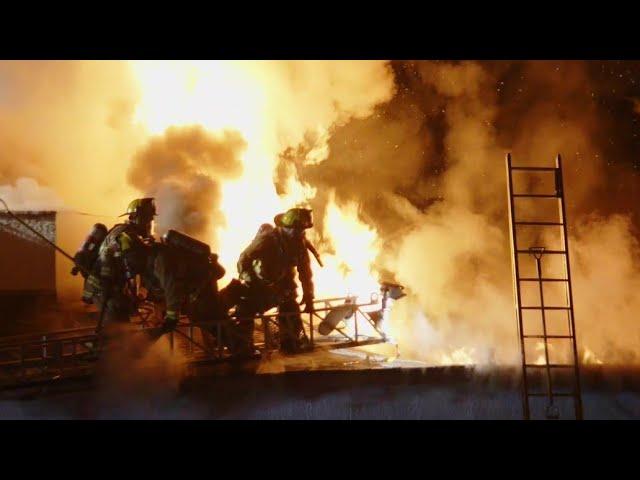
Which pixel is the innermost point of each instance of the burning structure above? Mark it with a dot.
(400, 161)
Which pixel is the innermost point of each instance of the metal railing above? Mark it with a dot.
(63, 353)
(266, 333)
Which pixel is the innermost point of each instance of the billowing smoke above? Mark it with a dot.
(418, 147)
(27, 194)
(606, 269)
(274, 105)
(69, 125)
(83, 128)
(183, 169)
(427, 170)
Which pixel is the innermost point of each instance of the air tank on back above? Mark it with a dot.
(179, 240)
(87, 254)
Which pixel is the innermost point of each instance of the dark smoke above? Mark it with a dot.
(419, 147)
(427, 171)
(183, 169)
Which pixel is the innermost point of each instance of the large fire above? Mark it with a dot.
(413, 148)
(219, 95)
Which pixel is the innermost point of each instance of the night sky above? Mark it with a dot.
(608, 90)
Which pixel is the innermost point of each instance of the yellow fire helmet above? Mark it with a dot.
(295, 218)
(141, 207)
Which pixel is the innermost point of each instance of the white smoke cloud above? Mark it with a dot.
(28, 194)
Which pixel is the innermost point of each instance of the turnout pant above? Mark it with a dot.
(259, 300)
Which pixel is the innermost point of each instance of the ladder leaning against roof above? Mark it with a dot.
(553, 334)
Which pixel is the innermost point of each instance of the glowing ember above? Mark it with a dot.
(589, 358)
(541, 357)
(461, 356)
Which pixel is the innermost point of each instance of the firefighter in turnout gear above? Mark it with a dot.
(267, 269)
(185, 273)
(122, 254)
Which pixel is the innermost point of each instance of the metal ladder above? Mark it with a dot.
(549, 369)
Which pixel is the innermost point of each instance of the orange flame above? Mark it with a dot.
(230, 95)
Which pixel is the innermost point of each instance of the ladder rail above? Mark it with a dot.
(544, 331)
(567, 265)
(516, 286)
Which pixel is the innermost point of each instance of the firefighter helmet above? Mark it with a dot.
(141, 207)
(295, 218)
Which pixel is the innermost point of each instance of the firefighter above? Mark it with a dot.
(267, 269)
(185, 273)
(122, 254)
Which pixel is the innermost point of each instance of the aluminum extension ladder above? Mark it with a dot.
(545, 372)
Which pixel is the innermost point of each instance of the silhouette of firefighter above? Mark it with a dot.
(267, 270)
(183, 273)
(112, 259)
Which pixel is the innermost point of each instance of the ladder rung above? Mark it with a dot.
(536, 169)
(543, 279)
(535, 195)
(545, 308)
(550, 365)
(551, 252)
(548, 336)
(539, 223)
(540, 394)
